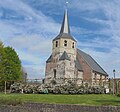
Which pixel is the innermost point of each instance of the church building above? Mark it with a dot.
(67, 62)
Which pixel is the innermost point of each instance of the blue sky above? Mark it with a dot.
(30, 25)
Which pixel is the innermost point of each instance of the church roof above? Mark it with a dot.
(64, 56)
(65, 36)
(49, 59)
(91, 62)
(65, 29)
(78, 65)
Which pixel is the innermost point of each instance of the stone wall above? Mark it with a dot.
(61, 48)
(39, 107)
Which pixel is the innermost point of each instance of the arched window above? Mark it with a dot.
(73, 45)
(56, 43)
(65, 43)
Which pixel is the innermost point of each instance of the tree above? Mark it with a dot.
(2, 60)
(2, 68)
(12, 65)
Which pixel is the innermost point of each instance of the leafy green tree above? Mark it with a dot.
(12, 65)
(2, 68)
(2, 59)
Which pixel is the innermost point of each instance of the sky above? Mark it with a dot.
(30, 25)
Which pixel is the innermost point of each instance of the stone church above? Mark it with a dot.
(67, 62)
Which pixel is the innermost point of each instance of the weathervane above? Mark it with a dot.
(67, 4)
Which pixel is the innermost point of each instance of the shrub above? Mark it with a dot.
(56, 90)
(16, 88)
(69, 88)
(28, 89)
(53, 82)
(118, 94)
(39, 90)
(80, 91)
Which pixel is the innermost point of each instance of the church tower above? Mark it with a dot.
(61, 63)
(64, 41)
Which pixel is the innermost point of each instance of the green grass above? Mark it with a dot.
(91, 99)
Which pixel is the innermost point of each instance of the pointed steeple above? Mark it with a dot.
(65, 29)
(65, 24)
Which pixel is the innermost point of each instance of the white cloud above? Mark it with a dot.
(31, 37)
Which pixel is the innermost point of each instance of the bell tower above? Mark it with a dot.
(64, 41)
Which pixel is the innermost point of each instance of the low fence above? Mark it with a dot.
(37, 107)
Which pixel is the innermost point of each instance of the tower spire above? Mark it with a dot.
(66, 5)
(65, 28)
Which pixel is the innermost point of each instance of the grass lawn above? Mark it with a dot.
(90, 99)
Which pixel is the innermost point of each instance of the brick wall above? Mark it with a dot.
(87, 75)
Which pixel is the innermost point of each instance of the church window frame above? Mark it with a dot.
(95, 77)
(56, 43)
(73, 45)
(55, 73)
(65, 43)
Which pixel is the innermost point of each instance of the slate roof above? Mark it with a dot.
(91, 62)
(65, 29)
(49, 59)
(78, 65)
(65, 36)
(64, 56)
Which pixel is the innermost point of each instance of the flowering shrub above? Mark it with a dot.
(69, 88)
(16, 88)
